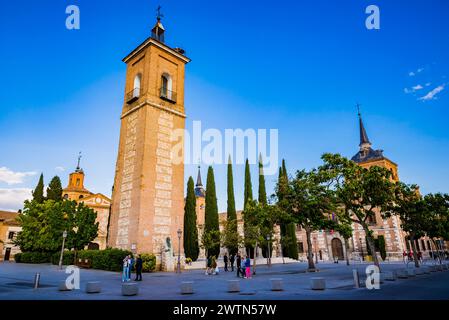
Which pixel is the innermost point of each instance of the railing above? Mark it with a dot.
(167, 95)
(133, 95)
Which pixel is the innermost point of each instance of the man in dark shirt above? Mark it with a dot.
(231, 261)
(239, 264)
(225, 260)
(139, 263)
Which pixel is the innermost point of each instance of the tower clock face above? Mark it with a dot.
(98, 200)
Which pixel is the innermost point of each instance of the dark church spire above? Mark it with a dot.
(364, 141)
(199, 190)
(199, 183)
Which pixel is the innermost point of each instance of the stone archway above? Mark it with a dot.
(337, 249)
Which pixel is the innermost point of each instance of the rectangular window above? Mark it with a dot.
(429, 246)
(11, 235)
(423, 245)
(417, 245)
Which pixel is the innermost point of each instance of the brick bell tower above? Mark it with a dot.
(148, 192)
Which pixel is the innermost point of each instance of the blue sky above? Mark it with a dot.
(296, 66)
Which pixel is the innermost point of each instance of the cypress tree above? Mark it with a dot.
(248, 195)
(231, 213)
(54, 189)
(38, 193)
(211, 212)
(288, 231)
(262, 190)
(248, 186)
(191, 248)
(262, 201)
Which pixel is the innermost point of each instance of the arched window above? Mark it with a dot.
(136, 88)
(166, 86)
(66, 196)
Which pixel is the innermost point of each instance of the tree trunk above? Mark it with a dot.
(309, 250)
(255, 259)
(346, 251)
(372, 247)
(415, 255)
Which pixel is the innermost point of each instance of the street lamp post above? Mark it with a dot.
(64, 235)
(361, 249)
(269, 251)
(178, 268)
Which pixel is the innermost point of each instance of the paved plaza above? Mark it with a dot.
(16, 283)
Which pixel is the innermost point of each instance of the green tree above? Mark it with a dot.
(191, 248)
(345, 230)
(437, 207)
(211, 227)
(262, 189)
(38, 193)
(261, 219)
(231, 213)
(54, 189)
(248, 196)
(411, 209)
(82, 227)
(43, 224)
(289, 243)
(309, 200)
(229, 237)
(362, 191)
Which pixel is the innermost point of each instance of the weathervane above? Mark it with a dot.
(159, 14)
(79, 158)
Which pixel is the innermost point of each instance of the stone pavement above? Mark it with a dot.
(16, 281)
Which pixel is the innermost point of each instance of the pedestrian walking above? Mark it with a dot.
(248, 267)
(125, 269)
(231, 261)
(225, 260)
(239, 265)
(130, 267)
(139, 265)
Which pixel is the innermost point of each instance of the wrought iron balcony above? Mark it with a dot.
(168, 95)
(133, 95)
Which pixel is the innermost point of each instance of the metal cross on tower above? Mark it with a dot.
(159, 14)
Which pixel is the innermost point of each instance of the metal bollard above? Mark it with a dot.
(355, 274)
(37, 277)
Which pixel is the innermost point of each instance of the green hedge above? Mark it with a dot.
(108, 259)
(33, 257)
(148, 262)
(67, 258)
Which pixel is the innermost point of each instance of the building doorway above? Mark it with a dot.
(7, 254)
(337, 249)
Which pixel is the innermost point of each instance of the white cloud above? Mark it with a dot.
(431, 95)
(12, 199)
(414, 73)
(417, 87)
(60, 169)
(407, 90)
(11, 177)
(428, 84)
